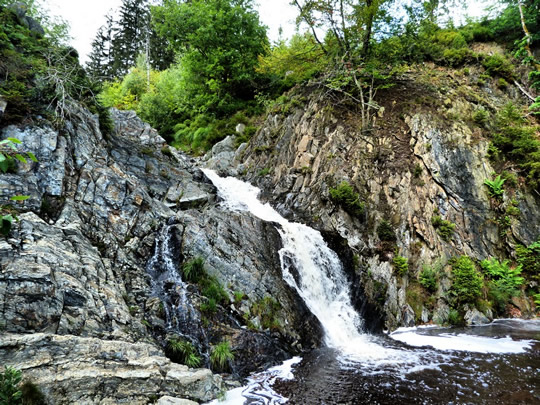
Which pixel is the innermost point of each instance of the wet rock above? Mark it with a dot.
(475, 317)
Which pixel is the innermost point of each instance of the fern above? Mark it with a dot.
(495, 187)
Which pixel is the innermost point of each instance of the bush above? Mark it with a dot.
(193, 270)
(184, 352)
(345, 196)
(444, 228)
(517, 141)
(481, 117)
(454, 318)
(267, 310)
(386, 232)
(457, 57)
(401, 265)
(529, 259)
(10, 394)
(221, 355)
(507, 280)
(498, 65)
(466, 281)
(428, 279)
(31, 394)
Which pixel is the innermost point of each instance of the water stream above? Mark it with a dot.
(420, 365)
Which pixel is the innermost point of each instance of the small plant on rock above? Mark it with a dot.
(220, 355)
(401, 265)
(444, 228)
(10, 393)
(428, 279)
(386, 232)
(184, 351)
(345, 196)
(495, 187)
(466, 281)
(193, 270)
(507, 279)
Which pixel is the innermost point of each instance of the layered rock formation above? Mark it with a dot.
(423, 157)
(79, 313)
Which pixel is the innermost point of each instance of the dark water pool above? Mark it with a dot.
(393, 372)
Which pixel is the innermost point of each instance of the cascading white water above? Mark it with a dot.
(321, 281)
(163, 270)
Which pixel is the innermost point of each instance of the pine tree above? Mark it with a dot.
(101, 57)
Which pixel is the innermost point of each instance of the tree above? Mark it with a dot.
(118, 44)
(101, 58)
(218, 42)
(348, 22)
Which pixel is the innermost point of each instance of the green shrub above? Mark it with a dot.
(209, 306)
(516, 140)
(213, 290)
(267, 309)
(466, 281)
(457, 57)
(31, 394)
(10, 393)
(221, 355)
(345, 196)
(502, 83)
(428, 279)
(454, 318)
(480, 117)
(184, 351)
(506, 279)
(444, 228)
(498, 65)
(193, 270)
(529, 259)
(386, 232)
(401, 265)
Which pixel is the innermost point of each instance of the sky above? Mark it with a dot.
(85, 17)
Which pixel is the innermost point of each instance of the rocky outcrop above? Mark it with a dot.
(423, 158)
(79, 312)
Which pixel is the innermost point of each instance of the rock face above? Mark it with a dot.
(79, 314)
(421, 160)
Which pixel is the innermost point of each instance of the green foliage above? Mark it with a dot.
(385, 231)
(498, 65)
(40, 75)
(495, 187)
(345, 196)
(466, 281)
(31, 394)
(480, 117)
(184, 352)
(428, 278)
(516, 140)
(193, 270)
(10, 393)
(238, 296)
(221, 355)
(505, 278)
(454, 317)
(528, 258)
(401, 265)
(444, 228)
(205, 34)
(267, 309)
(287, 64)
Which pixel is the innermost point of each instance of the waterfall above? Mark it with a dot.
(167, 284)
(320, 280)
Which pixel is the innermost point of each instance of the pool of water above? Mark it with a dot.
(494, 364)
